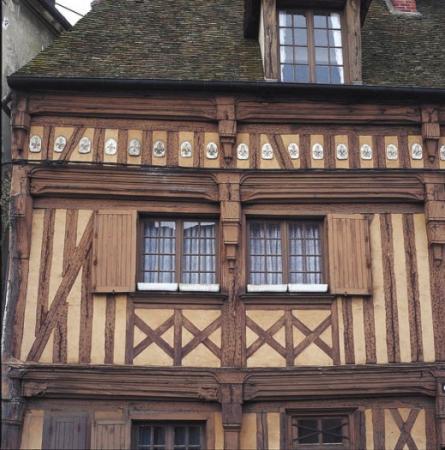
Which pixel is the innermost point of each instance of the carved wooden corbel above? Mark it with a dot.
(430, 131)
(21, 123)
(229, 195)
(225, 113)
(435, 216)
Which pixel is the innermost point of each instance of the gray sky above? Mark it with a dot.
(80, 6)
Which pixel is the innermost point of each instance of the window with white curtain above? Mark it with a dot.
(178, 253)
(286, 255)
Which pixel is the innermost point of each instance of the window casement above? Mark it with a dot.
(311, 46)
(286, 256)
(168, 436)
(178, 253)
(324, 432)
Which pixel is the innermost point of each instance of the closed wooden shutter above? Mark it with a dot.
(111, 435)
(65, 432)
(349, 255)
(115, 251)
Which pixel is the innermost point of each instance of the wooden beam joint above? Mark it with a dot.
(435, 217)
(21, 124)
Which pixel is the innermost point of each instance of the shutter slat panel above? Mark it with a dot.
(349, 255)
(110, 436)
(65, 432)
(115, 251)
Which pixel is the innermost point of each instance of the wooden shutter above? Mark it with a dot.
(65, 432)
(349, 255)
(111, 435)
(115, 251)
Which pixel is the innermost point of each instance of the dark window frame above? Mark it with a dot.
(179, 243)
(169, 427)
(345, 416)
(309, 15)
(285, 244)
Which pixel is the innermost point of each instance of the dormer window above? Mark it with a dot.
(311, 47)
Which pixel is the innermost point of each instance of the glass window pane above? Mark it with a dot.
(301, 55)
(194, 436)
(300, 36)
(307, 431)
(334, 38)
(287, 72)
(302, 74)
(321, 55)
(337, 75)
(285, 19)
(180, 436)
(322, 74)
(336, 55)
(144, 436)
(286, 36)
(334, 21)
(321, 37)
(286, 54)
(332, 430)
(159, 436)
(320, 21)
(299, 21)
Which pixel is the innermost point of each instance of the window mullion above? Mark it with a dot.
(285, 251)
(178, 250)
(311, 44)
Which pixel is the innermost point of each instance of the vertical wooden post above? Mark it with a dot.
(20, 243)
(231, 399)
(354, 40)
(21, 123)
(269, 34)
(230, 207)
(435, 221)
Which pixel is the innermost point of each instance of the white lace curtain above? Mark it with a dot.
(266, 253)
(198, 264)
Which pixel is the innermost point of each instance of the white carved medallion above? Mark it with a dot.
(442, 153)
(366, 152)
(342, 151)
(416, 151)
(186, 149)
(294, 150)
(111, 147)
(159, 149)
(134, 147)
(85, 145)
(242, 151)
(317, 151)
(212, 150)
(392, 152)
(35, 144)
(267, 151)
(59, 144)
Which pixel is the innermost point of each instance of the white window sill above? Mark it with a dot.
(308, 288)
(157, 286)
(266, 287)
(287, 288)
(183, 287)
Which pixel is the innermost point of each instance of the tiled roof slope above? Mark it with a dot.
(203, 40)
(402, 49)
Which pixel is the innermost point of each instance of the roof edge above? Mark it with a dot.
(263, 88)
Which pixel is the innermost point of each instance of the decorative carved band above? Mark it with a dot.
(122, 183)
(375, 186)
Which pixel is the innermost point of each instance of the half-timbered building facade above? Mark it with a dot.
(229, 229)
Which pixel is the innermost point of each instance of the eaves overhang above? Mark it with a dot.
(264, 89)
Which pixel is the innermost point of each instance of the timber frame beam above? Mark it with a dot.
(101, 382)
(170, 184)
